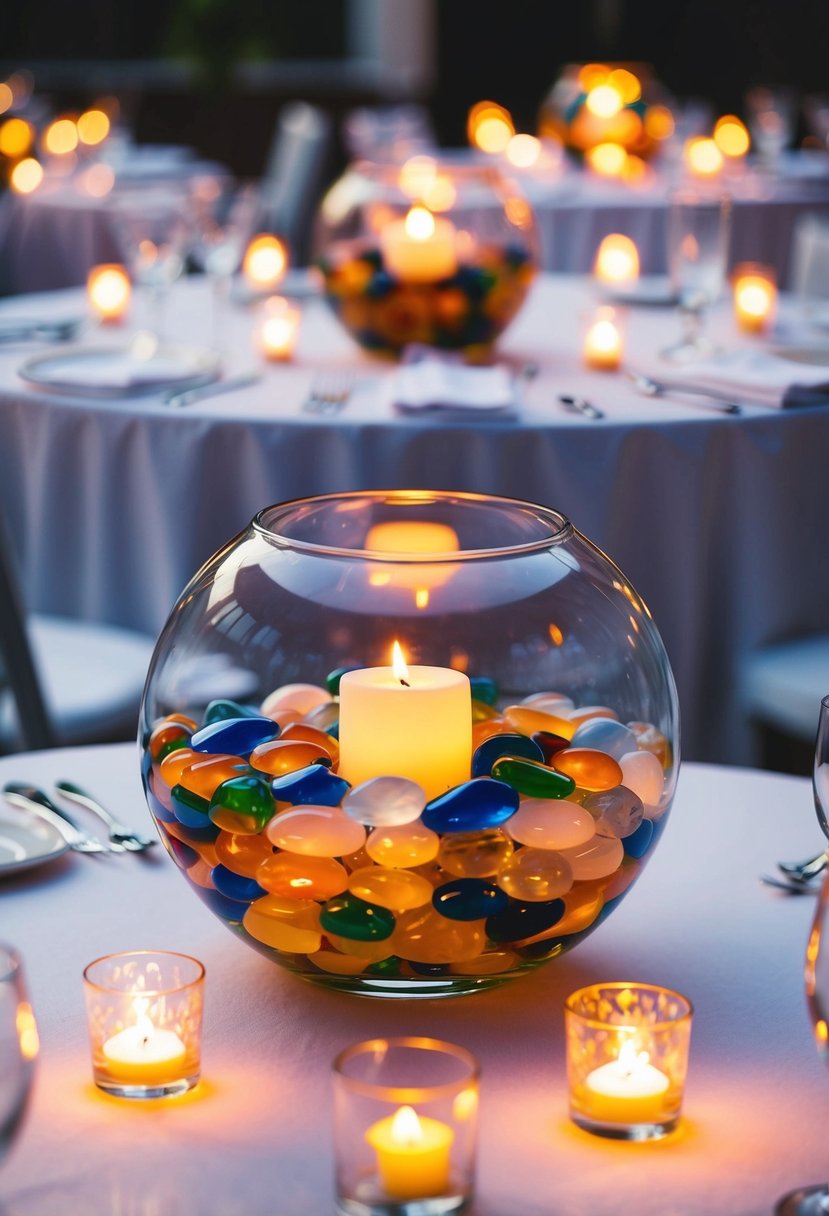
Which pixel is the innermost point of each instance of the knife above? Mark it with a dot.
(36, 802)
(580, 405)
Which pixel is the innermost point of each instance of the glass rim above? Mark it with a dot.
(825, 701)
(11, 962)
(407, 1094)
(558, 525)
(618, 985)
(137, 954)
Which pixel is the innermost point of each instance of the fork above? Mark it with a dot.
(803, 871)
(29, 798)
(119, 834)
(329, 393)
(655, 388)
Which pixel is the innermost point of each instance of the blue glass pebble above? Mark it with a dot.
(223, 710)
(605, 735)
(228, 909)
(236, 886)
(234, 736)
(469, 899)
(315, 784)
(638, 843)
(190, 809)
(479, 803)
(158, 809)
(484, 689)
(496, 746)
(519, 919)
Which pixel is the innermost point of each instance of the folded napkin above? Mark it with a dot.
(762, 377)
(445, 388)
(118, 370)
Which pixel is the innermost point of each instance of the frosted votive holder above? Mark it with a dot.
(405, 1127)
(144, 1016)
(627, 1058)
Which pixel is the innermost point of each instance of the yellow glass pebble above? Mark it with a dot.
(301, 877)
(241, 853)
(424, 936)
(174, 764)
(496, 962)
(316, 831)
(404, 846)
(590, 769)
(581, 907)
(481, 731)
(369, 952)
(526, 721)
(536, 875)
(475, 854)
(398, 890)
(338, 964)
(287, 925)
(301, 732)
(481, 712)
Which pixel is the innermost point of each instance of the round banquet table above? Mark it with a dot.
(716, 520)
(255, 1136)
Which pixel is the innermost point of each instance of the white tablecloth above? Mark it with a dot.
(717, 521)
(255, 1138)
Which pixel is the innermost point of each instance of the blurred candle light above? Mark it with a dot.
(265, 262)
(420, 248)
(489, 127)
(279, 330)
(26, 175)
(608, 160)
(731, 136)
(702, 157)
(6, 97)
(16, 137)
(602, 350)
(659, 122)
(60, 137)
(93, 127)
(523, 151)
(617, 260)
(755, 297)
(108, 290)
(604, 101)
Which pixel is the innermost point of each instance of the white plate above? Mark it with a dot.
(119, 371)
(817, 356)
(27, 842)
(650, 289)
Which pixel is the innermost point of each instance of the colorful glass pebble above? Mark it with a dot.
(202, 841)
(323, 717)
(335, 963)
(475, 854)
(522, 919)
(424, 936)
(585, 712)
(482, 712)
(582, 905)
(557, 703)
(315, 785)
(642, 773)
(403, 847)
(242, 804)
(241, 853)
(301, 732)
(638, 843)
(535, 875)
(479, 803)
(353, 918)
(549, 744)
(526, 721)
(281, 756)
(174, 764)
(481, 731)
(468, 899)
(222, 709)
(168, 737)
(543, 823)
(182, 854)
(591, 770)
(499, 745)
(234, 736)
(617, 812)
(201, 874)
(483, 689)
(207, 773)
(189, 808)
(235, 886)
(230, 910)
(649, 739)
(397, 890)
(159, 796)
(385, 801)
(299, 876)
(532, 778)
(300, 698)
(493, 962)
(316, 831)
(600, 856)
(289, 925)
(605, 735)
(332, 680)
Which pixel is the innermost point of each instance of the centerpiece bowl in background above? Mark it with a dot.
(423, 830)
(426, 252)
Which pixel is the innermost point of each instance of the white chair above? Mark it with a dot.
(781, 686)
(294, 174)
(64, 681)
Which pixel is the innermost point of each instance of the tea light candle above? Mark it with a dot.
(412, 1154)
(755, 298)
(144, 1054)
(402, 721)
(108, 291)
(279, 330)
(627, 1090)
(421, 248)
(617, 260)
(702, 157)
(603, 342)
(265, 262)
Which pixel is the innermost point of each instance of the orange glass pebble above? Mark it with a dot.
(495, 962)
(174, 764)
(296, 876)
(184, 720)
(590, 769)
(166, 736)
(301, 732)
(585, 712)
(159, 788)
(398, 890)
(369, 952)
(481, 731)
(316, 831)
(206, 849)
(205, 776)
(242, 854)
(285, 924)
(424, 936)
(338, 964)
(526, 720)
(199, 873)
(280, 756)
(475, 854)
(403, 847)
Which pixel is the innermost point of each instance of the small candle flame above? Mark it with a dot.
(398, 664)
(420, 224)
(405, 1127)
(630, 1060)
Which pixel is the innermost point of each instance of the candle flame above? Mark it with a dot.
(143, 1023)
(630, 1060)
(420, 224)
(398, 664)
(405, 1127)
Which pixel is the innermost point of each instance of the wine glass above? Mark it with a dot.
(18, 1047)
(223, 224)
(814, 1200)
(155, 230)
(698, 230)
(771, 114)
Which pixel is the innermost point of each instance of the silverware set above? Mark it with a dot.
(35, 801)
(329, 393)
(798, 876)
(189, 394)
(33, 330)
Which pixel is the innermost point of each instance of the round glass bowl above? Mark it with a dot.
(428, 253)
(429, 828)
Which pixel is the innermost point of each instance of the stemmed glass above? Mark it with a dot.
(814, 1200)
(18, 1047)
(223, 224)
(155, 231)
(698, 230)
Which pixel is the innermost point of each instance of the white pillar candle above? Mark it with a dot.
(420, 248)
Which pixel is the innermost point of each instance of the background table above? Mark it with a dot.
(717, 521)
(255, 1138)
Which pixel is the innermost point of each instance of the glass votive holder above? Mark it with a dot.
(405, 1127)
(278, 329)
(627, 1057)
(755, 296)
(108, 290)
(144, 1017)
(603, 341)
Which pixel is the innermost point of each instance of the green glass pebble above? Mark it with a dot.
(531, 778)
(353, 918)
(222, 710)
(189, 808)
(242, 804)
(332, 680)
(484, 689)
(389, 967)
